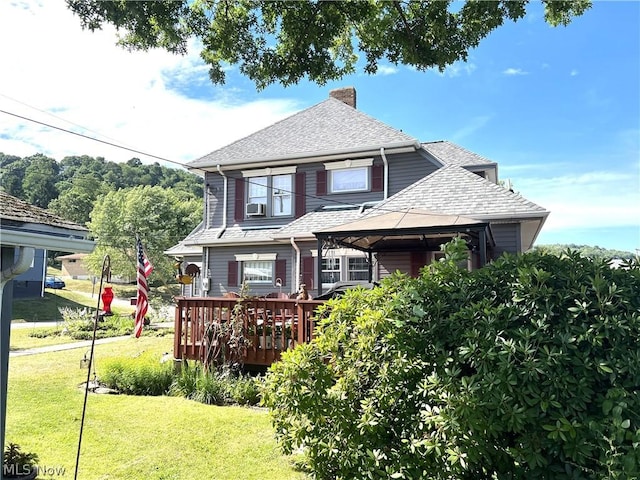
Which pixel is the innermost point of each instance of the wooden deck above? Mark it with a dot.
(271, 325)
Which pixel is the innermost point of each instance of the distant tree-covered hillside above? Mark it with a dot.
(588, 251)
(71, 187)
(116, 201)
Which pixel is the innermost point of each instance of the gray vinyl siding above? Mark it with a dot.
(214, 214)
(408, 168)
(404, 169)
(390, 262)
(507, 238)
(220, 257)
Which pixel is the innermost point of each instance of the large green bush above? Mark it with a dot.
(527, 368)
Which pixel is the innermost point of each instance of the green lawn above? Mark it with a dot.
(21, 340)
(134, 437)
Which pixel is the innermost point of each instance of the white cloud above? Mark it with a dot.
(514, 71)
(387, 70)
(459, 68)
(129, 98)
(573, 72)
(590, 199)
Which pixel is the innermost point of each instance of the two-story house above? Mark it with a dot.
(331, 194)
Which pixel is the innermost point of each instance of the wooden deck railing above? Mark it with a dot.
(271, 325)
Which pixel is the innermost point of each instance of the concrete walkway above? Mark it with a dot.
(64, 346)
(67, 346)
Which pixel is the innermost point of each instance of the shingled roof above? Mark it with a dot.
(454, 190)
(449, 153)
(16, 211)
(329, 127)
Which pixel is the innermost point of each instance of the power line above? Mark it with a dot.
(247, 181)
(94, 139)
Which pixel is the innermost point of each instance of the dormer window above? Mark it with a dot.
(349, 175)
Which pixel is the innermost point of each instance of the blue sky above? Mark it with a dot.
(557, 108)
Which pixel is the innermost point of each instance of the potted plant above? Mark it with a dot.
(18, 464)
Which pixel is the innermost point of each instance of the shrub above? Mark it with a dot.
(527, 368)
(215, 387)
(78, 324)
(142, 375)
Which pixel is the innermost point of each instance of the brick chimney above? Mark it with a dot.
(345, 94)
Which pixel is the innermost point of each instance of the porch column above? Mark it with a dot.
(319, 266)
(370, 266)
(482, 240)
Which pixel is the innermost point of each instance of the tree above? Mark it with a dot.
(284, 41)
(12, 170)
(77, 198)
(157, 215)
(525, 369)
(40, 176)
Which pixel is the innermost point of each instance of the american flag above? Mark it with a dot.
(144, 269)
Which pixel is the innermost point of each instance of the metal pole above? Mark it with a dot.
(106, 271)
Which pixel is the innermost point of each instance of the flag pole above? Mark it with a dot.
(106, 272)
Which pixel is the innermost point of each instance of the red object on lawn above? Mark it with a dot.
(107, 298)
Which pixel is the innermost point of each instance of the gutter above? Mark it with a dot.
(21, 265)
(312, 157)
(225, 180)
(296, 281)
(386, 173)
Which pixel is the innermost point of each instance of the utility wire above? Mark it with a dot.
(94, 139)
(325, 199)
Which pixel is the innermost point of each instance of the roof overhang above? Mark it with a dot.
(46, 240)
(310, 157)
(412, 229)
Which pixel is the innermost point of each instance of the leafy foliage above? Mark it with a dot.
(142, 375)
(527, 368)
(216, 387)
(71, 187)
(17, 463)
(284, 41)
(593, 252)
(157, 215)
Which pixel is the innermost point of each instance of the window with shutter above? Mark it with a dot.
(301, 197)
(321, 182)
(232, 273)
(418, 260)
(308, 270)
(239, 200)
(281, 271)
(377, 178)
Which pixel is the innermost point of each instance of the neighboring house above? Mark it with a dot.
(73, 266)
(31, 282)
(331, 194)
(25, 229)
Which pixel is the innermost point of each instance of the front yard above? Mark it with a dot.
(133, 437)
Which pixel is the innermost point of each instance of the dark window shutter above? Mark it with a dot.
(232, 278)
(418, 260)
(281, 271)
(321, 182)
(239, 200)
(301, 197)
(308, 268)
(377, 178)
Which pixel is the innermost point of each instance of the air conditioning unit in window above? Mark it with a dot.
(256, 209)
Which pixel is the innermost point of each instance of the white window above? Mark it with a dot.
(258, 187)
(282, 188)
(330, 270)
(349, 180)
(257, 271)
(358, 269)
